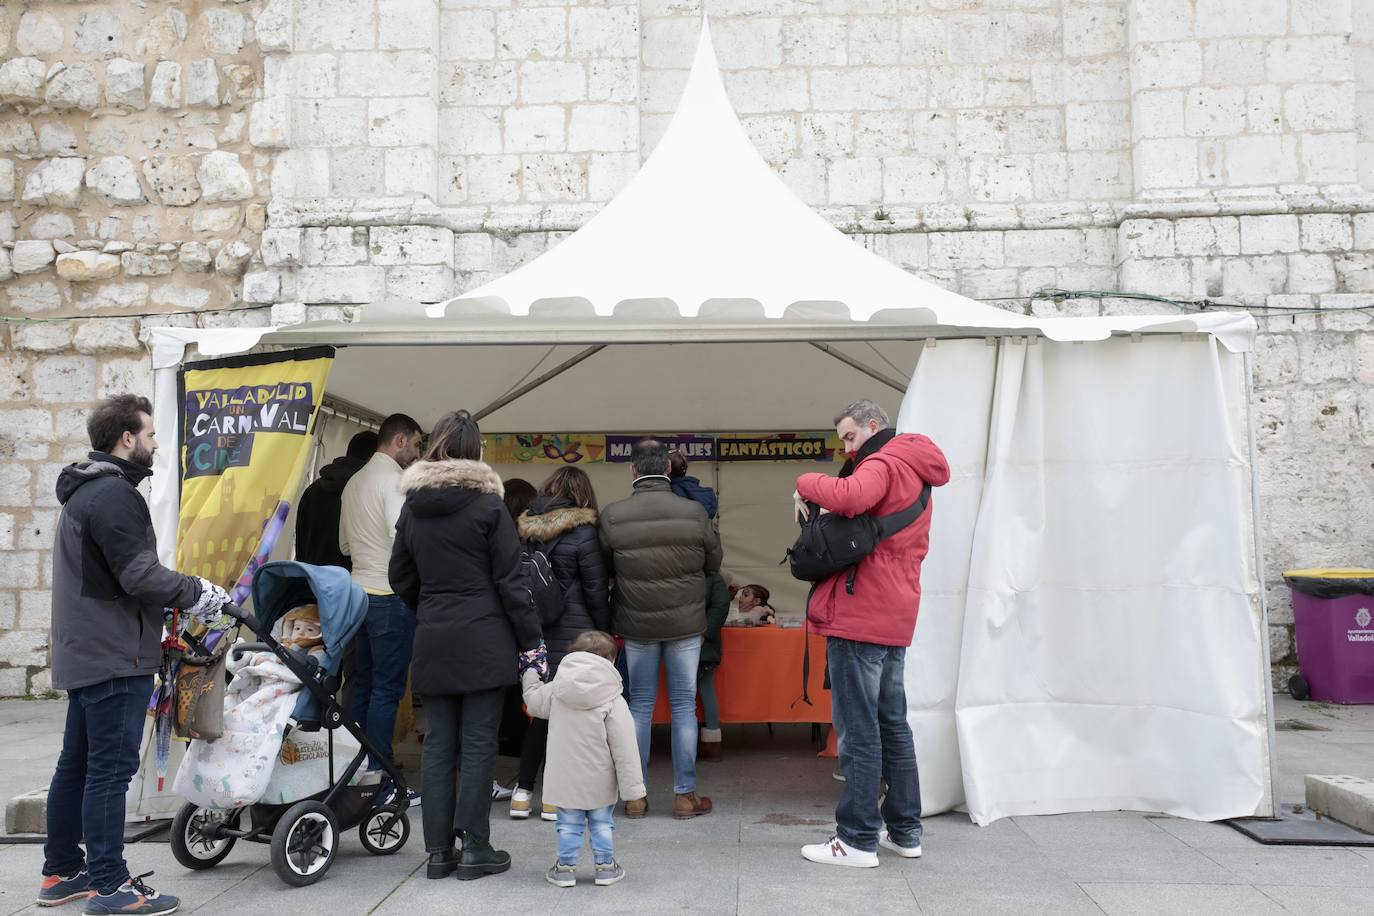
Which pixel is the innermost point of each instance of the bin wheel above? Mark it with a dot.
(1298, 687)
(384, 831)
(304, 843)
(196, 844)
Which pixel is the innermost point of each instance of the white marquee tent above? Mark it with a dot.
(1092, 634)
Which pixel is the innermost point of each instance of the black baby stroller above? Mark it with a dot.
(304, 834)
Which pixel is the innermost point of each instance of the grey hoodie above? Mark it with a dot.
(593, 756)
(108, 588)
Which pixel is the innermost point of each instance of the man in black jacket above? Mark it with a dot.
(661, 548)
(108, 595)
(317, 516)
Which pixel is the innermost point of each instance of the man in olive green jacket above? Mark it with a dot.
(660, 548)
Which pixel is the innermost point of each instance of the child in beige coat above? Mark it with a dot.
(593, 757)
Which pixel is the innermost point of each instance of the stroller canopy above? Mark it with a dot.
(278, 587)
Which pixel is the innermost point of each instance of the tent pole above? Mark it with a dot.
(1258, 526)
(853, 363)
(530, 386)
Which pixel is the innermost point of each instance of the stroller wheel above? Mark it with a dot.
(304, 843)
(384, 831)
(196, 842)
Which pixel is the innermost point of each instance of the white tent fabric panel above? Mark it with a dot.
(1112, 622)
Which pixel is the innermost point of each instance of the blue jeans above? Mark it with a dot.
(868, 706)
(100, 752)
(681, 657)
(381, 665)
(571, 825)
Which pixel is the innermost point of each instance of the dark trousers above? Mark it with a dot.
(381, 665)
(868, 707)
(460, 734)
(100, 752)
(532, 752)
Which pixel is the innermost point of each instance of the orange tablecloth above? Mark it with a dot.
(760, 678)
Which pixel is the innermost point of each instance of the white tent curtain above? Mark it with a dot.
(1091, 624)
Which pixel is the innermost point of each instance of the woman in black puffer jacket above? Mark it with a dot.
(562, 522)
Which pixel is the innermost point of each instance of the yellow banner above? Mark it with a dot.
(246, 438)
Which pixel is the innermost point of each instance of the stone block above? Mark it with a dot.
(1320, 106)
(344, 285)
(962, 250)
(422, 283)
(269, 123)
(1311, 273)
(301, 173)
(1297, 60)
(1330, 158)
(172, 179)
(412, 171)
(162, 34)
(84, 266)
(224, 32)
(1269, 234)
(751, 43)
(28, 425)
(535, 129)
(262, 286)
(481, 84)
(39, 34)
(202, 84)
(132, 374)
(24, 648)
(1090, 31)
(1169, 163)
(222, 177)
(603, 128)
(114, 181)
(1264, 110)
(137, 264)
(18, 568)
(185, 298)
(408, 24)
(335, 246)
(1261, 160)
(14, 380)
(374, 74)
(1215, 112)
(1326, 232)
(165, 92)
(99, 32)
(274, 26)
(401, 122)
(304, 76)
(1088, 126)
(873, 41)
(855, 181)
(608, 173)
(1001, 178)
(124, 84)
(357, 172)
(336, 25)
(1220, 18)
(914, 179)
(35, 297)
(216, 220)
(1100, 175)
(603, 32)
(1159, 113)
(1312, 17)
(1355, 272)
(65, 379)
(74, 87)
(1207, 236)
(232, 259)
(195, 257)
(469, 131)
(532, 32)
(544, 82)
(329, 122)
(114, 296)
(42, 338)
(1160, 277)
(473, 251)
(1038, 247)
(21, 79)
(980, 132)
(1348, 799)
(113, 335)
(1276, 360)
(850, 89)
(35, 605)
(468, 35)
(285, 247)
(411, 245)
(1260, 276)
(31, 256)
(547, 177)
(492, 179)
(1166, 65)
(1161, 20)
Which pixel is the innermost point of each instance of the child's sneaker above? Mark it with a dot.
(560, 875)
(57, 890)
(520, 804)
(836, 851)
(608, 873)
(906, 852)
(548, 813)
(133, 896)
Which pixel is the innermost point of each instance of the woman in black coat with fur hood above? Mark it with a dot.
(562, 522)
(456, 560)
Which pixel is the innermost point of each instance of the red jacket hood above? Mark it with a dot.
(920, 454)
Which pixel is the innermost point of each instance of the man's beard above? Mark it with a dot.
(142, 457)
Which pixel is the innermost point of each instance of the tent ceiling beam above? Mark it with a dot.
(530, 386)
(853, 363)
(350, 411)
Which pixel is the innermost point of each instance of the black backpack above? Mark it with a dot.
(547, 596)
(830, 543)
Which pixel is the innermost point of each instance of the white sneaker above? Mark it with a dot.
(906, 852)
(499, 792)
(836, 851)
(520, 804)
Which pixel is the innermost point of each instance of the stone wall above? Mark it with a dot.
(218, 162)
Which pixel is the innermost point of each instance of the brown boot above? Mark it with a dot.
(637, 807)
(686, 807)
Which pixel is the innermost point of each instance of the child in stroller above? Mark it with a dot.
(243, 786)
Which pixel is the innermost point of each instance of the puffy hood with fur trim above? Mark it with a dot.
(445, 487)
(548, 518)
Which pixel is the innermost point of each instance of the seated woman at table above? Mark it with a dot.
(754, 607)
(717, 609)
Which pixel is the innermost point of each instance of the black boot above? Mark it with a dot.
(442, 864)
(479, 860)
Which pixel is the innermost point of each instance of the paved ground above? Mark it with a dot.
(771, 795)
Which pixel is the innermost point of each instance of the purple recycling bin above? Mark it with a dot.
(1335, 636)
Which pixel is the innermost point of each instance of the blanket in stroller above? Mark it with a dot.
(236, 769)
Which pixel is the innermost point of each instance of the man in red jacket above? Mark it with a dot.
(867, 635)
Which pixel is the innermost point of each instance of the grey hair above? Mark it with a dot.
(863, 411)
